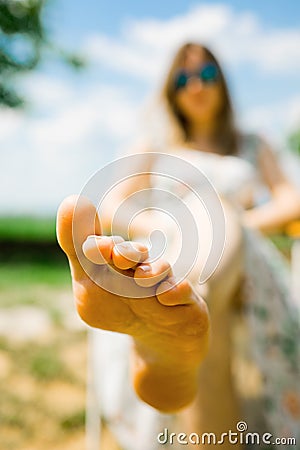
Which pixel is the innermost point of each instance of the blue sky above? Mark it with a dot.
(83, 17)
(77, 122)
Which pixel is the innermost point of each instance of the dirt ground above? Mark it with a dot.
(43, 361)
(42, 377)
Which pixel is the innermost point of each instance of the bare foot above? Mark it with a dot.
(169, 325)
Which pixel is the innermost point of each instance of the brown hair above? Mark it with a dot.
(225, 136)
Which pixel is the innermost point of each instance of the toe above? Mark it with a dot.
(76, 219)
(128, 254)
(171, 292)
(149, 274)
(98, 249)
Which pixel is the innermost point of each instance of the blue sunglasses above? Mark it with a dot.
(207, 73)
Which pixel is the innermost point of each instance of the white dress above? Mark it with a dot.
(272, 345)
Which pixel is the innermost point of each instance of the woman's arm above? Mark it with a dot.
(284, 205)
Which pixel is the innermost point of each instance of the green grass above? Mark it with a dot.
(22, 228)
(45, 364)
(34, 284)
(22, 275)
(34, 272)
(74, 421)
(23, 268)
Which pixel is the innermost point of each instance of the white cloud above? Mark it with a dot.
(143, 46)
(199, 22)
(104, 109)
(10, 121)
(277, 118)
(45, 90)
(73, 131)
(50, 155)
(123, 58)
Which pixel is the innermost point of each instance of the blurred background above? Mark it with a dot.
(74, 81)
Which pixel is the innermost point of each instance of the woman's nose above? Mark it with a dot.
(195, 84)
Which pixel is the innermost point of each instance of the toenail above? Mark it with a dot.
(123, 248)
(145, 268)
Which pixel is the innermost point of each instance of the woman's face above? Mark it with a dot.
(198, 101)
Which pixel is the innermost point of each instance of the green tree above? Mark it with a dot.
(23, 39)
(294, 142)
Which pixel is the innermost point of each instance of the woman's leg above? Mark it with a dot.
(169, 330)
(216, 407)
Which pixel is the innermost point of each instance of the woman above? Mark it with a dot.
(170, 346)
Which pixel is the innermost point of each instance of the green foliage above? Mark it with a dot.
(283, 243)
(22, 36)
(22, 16)
(23, 40)
(24, 228)
(294, 142)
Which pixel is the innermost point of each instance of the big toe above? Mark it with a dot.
(76, 219)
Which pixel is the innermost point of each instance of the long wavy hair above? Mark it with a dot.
(225, 136)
